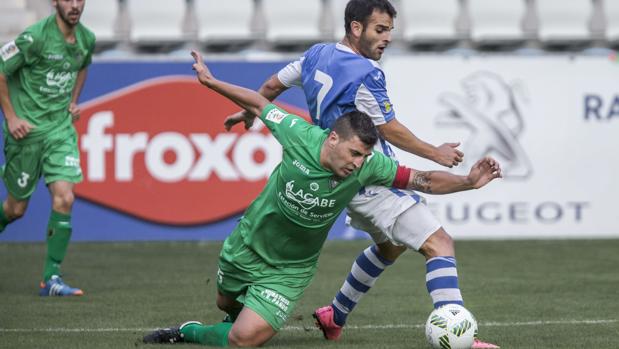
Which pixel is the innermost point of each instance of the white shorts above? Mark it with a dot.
(396, 215)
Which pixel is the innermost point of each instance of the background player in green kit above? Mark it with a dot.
(272, 254)
(41, 76)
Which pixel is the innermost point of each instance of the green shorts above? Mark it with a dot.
(56, 158)
(272, 292)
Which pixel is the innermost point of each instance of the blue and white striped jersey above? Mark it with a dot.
(336, 80)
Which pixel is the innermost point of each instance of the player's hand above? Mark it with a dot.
(242, 116)
(75, 111)
(203, 73)
(18, 128)
(484, 171)
(448, 154)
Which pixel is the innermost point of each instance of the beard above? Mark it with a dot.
(65, 16)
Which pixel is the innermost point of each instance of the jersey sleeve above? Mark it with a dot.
(290, 75)
(288, 129)
(372, 98)
(90, 43)
(378, 169)
(24, 50)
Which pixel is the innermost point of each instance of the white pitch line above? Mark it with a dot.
(351, 327)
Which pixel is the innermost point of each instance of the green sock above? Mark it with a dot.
(3, 220)
(58, 236)
(215, 335)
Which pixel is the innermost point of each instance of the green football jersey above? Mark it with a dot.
(41, 70)
(287, 224)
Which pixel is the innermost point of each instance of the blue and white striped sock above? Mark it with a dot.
(364, 273)
(442, 281)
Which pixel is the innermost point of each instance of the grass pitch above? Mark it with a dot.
(525, 294)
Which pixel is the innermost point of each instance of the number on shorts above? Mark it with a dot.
(23, 181)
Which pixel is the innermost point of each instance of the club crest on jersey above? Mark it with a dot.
(276, 116)
(387, 106)
(333, 183)
(8, 51)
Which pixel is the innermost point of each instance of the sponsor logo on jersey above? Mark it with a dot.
(276, 116)
(306, 200)
(8, 51)
(59, 83)
(55, 57)
(157, 150)
(301, 167)
(495, 113)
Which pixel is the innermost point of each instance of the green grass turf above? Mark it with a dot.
(133, 287)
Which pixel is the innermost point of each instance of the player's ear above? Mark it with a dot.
(356, 28)
(333, 139)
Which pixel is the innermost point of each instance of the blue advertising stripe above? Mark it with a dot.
(92, 222)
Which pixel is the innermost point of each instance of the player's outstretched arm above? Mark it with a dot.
(399, 135)
(270, 90)
(245, 98)
(441, 182)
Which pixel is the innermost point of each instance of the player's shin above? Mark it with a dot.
(58, 236)
(215, 335)
(442, 281)
(364, 273)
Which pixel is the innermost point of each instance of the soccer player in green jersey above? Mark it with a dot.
(42, 73)
(272, 254)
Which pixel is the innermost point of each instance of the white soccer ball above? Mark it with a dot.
(451, 327)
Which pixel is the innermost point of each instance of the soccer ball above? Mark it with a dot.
(451, 327)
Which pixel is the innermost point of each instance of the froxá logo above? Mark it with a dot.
(493, 111)
(158, 150)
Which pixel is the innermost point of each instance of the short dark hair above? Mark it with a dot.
(356, 123)
(361, 10)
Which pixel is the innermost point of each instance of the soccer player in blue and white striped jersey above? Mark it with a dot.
(340, 77)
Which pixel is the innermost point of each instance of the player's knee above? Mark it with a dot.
(438, 244)
(245, 339)
(63, 201)
(15, 211)
(390, 251)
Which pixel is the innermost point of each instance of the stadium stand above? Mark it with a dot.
(497, 23)
(160, 26)
(226, 24)
(429, 26)
(293, 25)
(157, 23)
(564, 23)
(100, 16)
(611, 9)
(15, 16)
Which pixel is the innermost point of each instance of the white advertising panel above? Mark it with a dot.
(552, 122)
